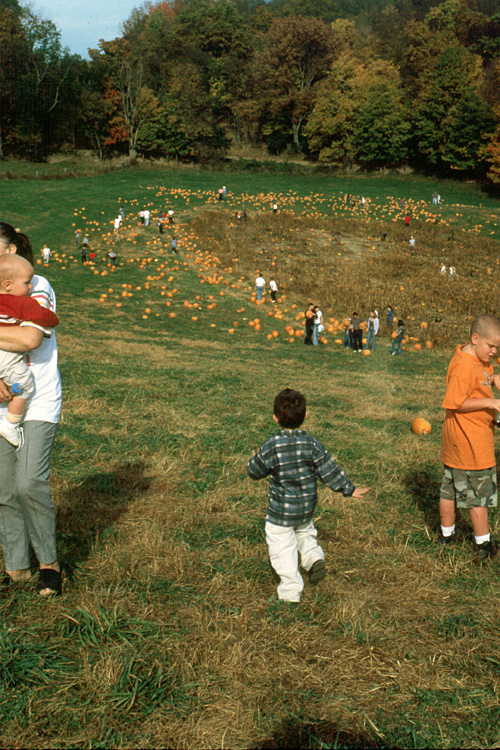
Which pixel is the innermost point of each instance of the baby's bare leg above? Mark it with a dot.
(16, 406)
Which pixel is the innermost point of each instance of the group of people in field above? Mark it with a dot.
(294, 460)
(355, 326)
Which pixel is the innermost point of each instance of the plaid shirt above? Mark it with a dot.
(295, 459)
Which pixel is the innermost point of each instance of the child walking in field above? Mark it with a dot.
(398, 338)
(468, 451)
(294, 460)
(16, 308)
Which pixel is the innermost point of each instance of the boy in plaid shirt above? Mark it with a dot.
(294, 459)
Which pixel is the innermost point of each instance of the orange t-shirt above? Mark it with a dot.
(467, 438)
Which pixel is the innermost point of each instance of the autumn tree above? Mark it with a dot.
(291, 59)
(452, 122)
(126, 89)
(359, 114)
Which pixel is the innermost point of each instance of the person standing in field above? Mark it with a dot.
(398, 339)
(117, 224)
(357, 333)
(273, 287)
(26, 508)
(468, 449)
(347, 334)
(389, 318)
(260, 285)
(318, 324)
(372, 330)
(46, 254)
(309, 316)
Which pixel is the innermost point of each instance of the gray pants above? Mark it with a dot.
(26, 509)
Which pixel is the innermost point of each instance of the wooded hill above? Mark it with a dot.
(367, 82)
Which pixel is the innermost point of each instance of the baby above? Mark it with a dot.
(16, 308)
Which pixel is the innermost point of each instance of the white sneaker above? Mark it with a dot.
(13, 433)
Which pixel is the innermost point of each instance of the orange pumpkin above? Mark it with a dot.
(366, 352)
(421, 426)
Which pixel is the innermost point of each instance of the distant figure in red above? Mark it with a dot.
(407, 220)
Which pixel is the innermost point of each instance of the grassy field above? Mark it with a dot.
(169, 633)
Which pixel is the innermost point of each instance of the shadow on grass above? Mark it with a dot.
(323, 734)
(424, 484)
(88, 510)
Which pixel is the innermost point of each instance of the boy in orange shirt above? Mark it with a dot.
(468, 452)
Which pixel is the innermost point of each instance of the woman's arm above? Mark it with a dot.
(20, 339)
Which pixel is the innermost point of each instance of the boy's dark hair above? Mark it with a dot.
(290, 408)
(401, 322)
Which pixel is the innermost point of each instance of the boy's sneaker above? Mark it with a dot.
(317, 572)
(447, 539)
(487, 550)
(12, 432)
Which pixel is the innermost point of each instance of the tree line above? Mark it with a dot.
(376, 83)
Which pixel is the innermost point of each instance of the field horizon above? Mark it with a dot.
(169, 633)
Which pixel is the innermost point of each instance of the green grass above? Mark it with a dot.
(169, 633)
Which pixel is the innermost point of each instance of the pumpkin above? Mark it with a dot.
(366, 352)
(420, 426)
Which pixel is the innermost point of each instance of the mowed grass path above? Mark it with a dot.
(169, 633)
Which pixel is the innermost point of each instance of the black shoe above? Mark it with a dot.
(447, 539)
(487, 550)
(51, 580)
(317, 572)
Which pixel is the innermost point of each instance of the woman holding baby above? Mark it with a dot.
(27, 514)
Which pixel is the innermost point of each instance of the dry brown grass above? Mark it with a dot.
(342, 264)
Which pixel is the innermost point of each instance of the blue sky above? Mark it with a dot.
(83, 22)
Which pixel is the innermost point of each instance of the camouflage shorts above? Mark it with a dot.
(470, 489)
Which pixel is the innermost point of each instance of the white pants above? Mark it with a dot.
(284, 544)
